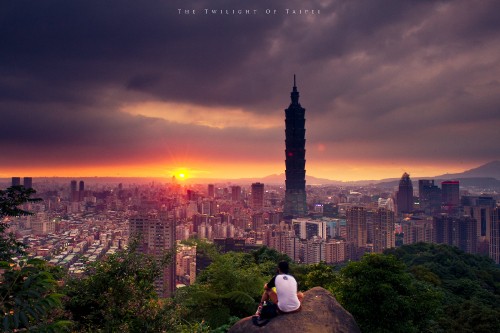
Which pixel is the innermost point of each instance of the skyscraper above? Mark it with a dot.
(295, 194)
(235, 193)
(356, 232)
(495, 235)
(157, 236)
(404, 197)
(383, 232)
(450, 190)
(28, 182)
(81, 190)
(16, 181)
(429, 196)
(211, 191)
(73, 191)
(257, 196)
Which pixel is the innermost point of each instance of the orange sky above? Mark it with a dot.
(410, 88)
(346, 171)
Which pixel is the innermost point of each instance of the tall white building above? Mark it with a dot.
(307, 228)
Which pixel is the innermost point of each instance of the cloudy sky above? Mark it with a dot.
(137, 88)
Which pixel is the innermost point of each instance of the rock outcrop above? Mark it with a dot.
(320, 313)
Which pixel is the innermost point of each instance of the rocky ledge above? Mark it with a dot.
(320, 313)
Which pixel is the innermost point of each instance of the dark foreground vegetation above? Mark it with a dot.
(416, 288)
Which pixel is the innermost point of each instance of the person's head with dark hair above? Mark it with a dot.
(283, 267)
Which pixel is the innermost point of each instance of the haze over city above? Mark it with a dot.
(128, 88)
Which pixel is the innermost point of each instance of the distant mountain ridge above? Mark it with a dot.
(486, 173)
(488, 170)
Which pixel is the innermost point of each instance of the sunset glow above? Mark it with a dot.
(163, 94)
(343, 171)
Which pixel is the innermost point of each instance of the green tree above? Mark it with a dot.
(383, 297)
(28, 289)
(118, 294)
(29, 298)
(267, 259)
(10, 201)
(231, 286)
(320, 275)
(470, 283)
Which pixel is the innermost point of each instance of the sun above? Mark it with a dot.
(181, 173)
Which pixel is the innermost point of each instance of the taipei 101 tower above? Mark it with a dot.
(295, 152)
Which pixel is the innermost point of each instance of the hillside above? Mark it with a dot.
(491, 169)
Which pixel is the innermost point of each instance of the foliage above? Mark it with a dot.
(208, 249)
(230, 286)
(118, 294)
(28, 288)
(384, 297)
(320, 275)
(12, 197)
(28, 297)
(10, 200)
(266, 254)
(267, 259)
(470, 283)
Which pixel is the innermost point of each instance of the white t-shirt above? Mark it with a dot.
(286, 288)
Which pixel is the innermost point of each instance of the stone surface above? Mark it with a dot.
(320, 313)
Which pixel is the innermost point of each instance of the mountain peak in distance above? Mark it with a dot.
(490, 169)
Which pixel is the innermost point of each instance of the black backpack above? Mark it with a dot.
(269, 310)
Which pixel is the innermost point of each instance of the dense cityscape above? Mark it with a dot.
(161, 172)
(76, 224)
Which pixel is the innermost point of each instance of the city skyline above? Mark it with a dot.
(143, 89)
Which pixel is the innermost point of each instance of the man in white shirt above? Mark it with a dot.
(286, 296)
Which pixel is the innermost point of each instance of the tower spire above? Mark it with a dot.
(295, 94)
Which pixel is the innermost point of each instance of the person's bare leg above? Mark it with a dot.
(300, 296)
(266, 296)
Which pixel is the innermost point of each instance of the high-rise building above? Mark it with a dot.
(73, 191)
(211, 191)
(383, 230)
(454, 231)
(28, 182)
(415, 231)
(295, 152)
(356, 232)
(191, 195)
(314, 251)
(257, 196)
(494, 247)
(81, 190)
(157, 236)
(404, 196)
(16, 181)
(450, 191)
(306, 228)
(73, 185)
(235, 193)
(257, 222)
(335, 251)
(483, 215)
(429, 196)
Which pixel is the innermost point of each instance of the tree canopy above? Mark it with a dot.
(29, 297)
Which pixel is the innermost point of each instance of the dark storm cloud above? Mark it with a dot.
(380, 76)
